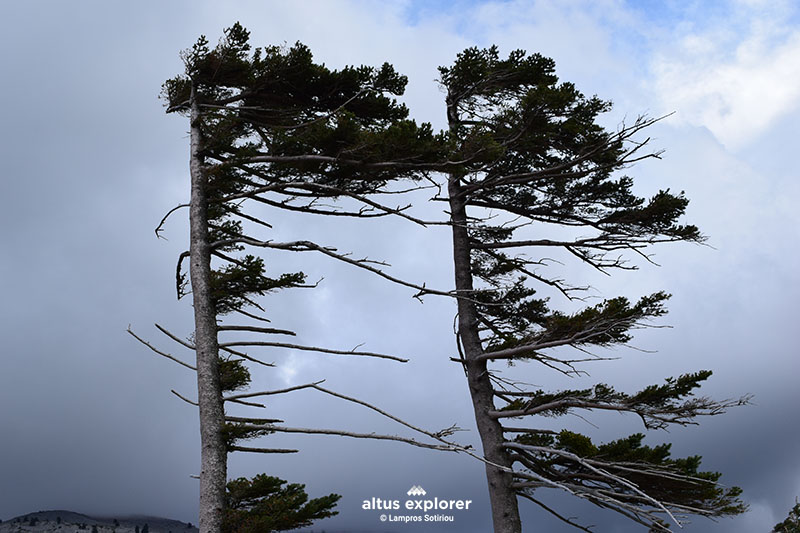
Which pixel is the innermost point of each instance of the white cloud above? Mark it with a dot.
(735, 82)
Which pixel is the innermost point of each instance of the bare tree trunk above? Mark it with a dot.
(503, 498)
(213, 455)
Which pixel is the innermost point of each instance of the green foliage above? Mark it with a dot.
(278, 101)
(233, 375)
(531, 148)
(677, 481)
(234, 285)
(658, 405)
(517, 319)
(606, 323)
(792, 522)
(232, 433)
(531, 155)
(327, 132)
(673, 389)
(277, 128)
(263, 504)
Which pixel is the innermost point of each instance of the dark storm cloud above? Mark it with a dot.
(91, 163)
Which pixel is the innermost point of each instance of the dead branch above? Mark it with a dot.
(342, 433)
(257, 330)
(312, 349)
(164, 354)
(261, 450)
(271, 392)
(190, 402)
(251, 315)
(438, 435)
(159, 229)
(554, 513)
(249, 420)
(305, 246)
(174, 337)
(250, 404)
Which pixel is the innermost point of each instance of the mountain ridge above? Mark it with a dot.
(64, 521)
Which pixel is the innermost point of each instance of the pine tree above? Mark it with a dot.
(523, 154)
(527, 158)
(792, 522)
(264, 504)
(273, 128)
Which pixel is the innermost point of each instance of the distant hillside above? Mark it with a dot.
(70, 522)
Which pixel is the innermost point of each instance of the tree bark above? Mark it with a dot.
(505, 509)
(213, 455)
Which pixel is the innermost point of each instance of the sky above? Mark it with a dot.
(91, 163)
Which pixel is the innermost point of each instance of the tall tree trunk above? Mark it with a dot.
(213, 455)
(505, 510)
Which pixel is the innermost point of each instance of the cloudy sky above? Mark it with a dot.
(90, 163)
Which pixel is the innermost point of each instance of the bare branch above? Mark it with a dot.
(179, 282)
(175, 337)
(311, 349)
(168, 356)
(438, 435)
(254, 317)
(245, 356)
(305, 246)
(257, 330)
(554, 513)
(190, 402)
(249, 404)
(261, 450)
(224, 348)
(251, 219)
(269, 393)
(377, 436)
(159, 229)
(249, 420)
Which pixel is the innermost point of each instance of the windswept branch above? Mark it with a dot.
(256, 329)
(654, 417)
(554, 513)
(272, 392)
(599, 471)
(311, 349)
(307, 246)
(159, 352)
(529, 349)
(227, 349)
(342, 433)
(160, 226)
(250, 449)
(184, 398)
(439, 435)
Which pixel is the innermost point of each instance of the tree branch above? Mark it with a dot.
(159, 229)
(261, 450)
(312, 349)
(168, 356)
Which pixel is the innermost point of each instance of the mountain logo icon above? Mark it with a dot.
(416, 490)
